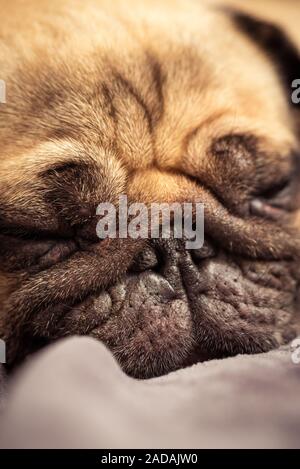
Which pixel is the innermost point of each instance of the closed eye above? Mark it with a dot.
(275, 201)
(280, 194)
(34, 254)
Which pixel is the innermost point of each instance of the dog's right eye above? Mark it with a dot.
(281, 197)
(275, 201)
(280, 194)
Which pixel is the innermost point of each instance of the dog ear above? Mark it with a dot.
(279, 48)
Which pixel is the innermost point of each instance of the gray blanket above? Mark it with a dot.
(74, 395)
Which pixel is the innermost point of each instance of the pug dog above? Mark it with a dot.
(163, 101)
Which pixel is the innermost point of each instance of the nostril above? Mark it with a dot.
(145, 260)
(207, 251)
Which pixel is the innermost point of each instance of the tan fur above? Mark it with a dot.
(199, 99)
(138, 90)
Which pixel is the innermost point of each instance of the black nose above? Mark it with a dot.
(163, 255)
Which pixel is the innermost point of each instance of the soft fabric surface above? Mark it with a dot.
(2, 386)
(74, 394)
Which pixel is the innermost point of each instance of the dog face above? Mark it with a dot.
(164, 102)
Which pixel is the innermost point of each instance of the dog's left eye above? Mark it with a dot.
(33, 254)
(275, 201)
